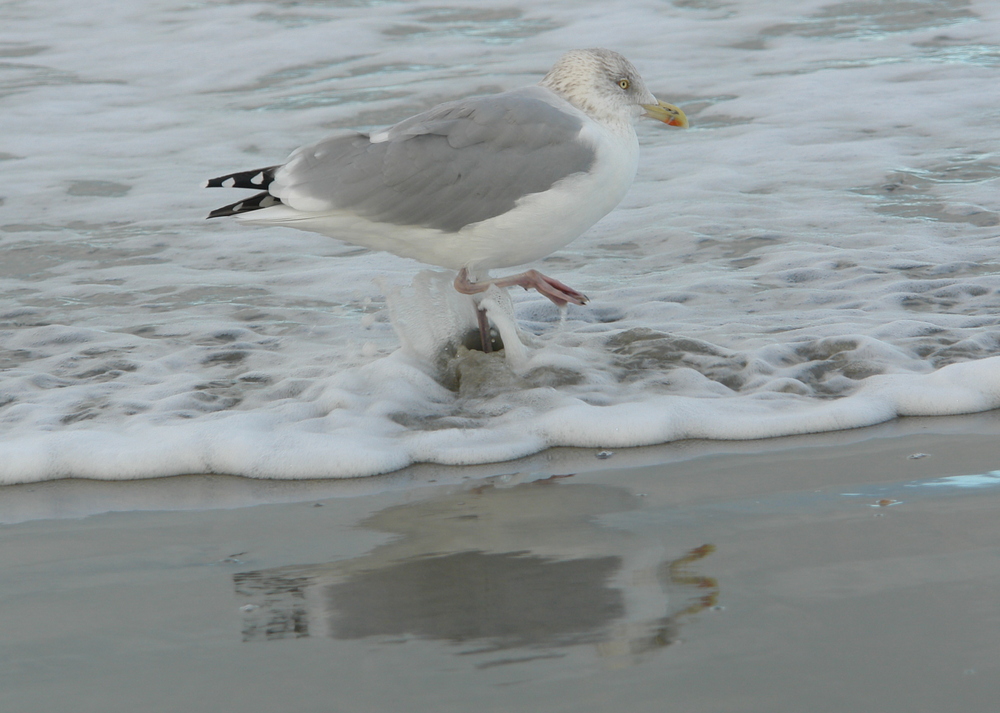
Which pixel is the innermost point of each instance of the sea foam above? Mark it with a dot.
(818, 252)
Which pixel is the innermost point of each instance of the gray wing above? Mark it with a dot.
(457, 164)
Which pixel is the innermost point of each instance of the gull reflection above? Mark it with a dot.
(493, 569)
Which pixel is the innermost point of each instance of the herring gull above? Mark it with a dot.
(476, 184)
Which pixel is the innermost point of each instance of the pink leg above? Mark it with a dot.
(484, 331)
(530, 280)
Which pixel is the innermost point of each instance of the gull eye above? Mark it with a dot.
(624, 83)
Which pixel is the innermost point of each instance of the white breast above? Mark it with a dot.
(542, 223)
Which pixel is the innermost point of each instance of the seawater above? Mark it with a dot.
(819, 251)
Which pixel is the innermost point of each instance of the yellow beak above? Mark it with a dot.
(667, 113)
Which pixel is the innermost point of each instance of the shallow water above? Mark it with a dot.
(817, 252)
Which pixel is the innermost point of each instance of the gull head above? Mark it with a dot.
(608, 88)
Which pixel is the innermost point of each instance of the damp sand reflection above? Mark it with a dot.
(503, 575)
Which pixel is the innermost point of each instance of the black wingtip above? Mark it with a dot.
(256, 180)
(257, 202)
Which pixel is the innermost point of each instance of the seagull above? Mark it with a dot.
(473, 185)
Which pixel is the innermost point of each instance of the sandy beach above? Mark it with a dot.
(847, 571)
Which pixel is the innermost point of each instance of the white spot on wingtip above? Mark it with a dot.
(229, 183)
(379, 137)
(258, 179)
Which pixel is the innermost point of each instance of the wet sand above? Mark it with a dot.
(849, 571)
